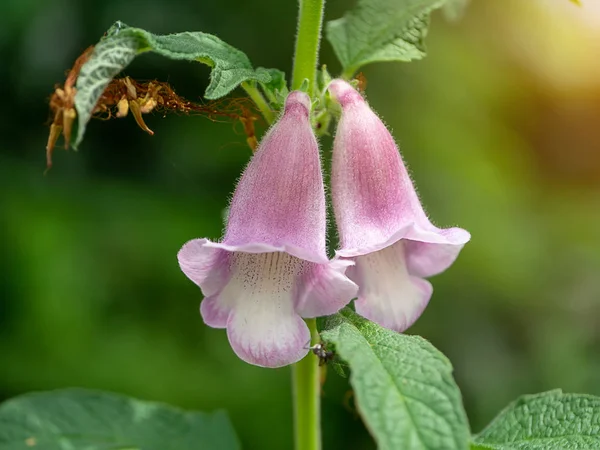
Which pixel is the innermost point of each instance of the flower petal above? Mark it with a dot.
(388, 294)
(263, 327)
(428, 251)
(258, 247)
(204, 265)
(323, 289)
(215, 311)
(280, 198)
(374, 199)
(425, 259)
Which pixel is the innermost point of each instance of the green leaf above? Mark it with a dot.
(276, 89)
(381, 30)
(550, 420)
(122, 44)
(323, 79)
(402, 384)
(78, 419)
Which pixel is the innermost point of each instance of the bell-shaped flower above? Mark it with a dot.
(381, 223)
(271, 268)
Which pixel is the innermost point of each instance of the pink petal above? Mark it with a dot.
(204, 265)
(323, 289)
(280, 199)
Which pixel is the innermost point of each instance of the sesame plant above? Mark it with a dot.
(270, 282)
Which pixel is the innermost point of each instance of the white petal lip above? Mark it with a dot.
(388, 294)
(275, 344)
(263, 327)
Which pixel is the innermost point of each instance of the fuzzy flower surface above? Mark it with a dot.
(271, 268)
(381, 223)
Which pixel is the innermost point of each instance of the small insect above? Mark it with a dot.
(321, 352)
(362, 82)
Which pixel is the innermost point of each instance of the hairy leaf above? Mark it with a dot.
(381, 30)
(122, 44)
(546, 421)
(91, 420)
(276, 89)
(402, 384)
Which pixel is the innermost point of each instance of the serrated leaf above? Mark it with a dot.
(381, 30)
(546, 421)
(79, 419)
(122, 44)
(403, 385)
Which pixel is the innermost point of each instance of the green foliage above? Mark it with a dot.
(122, 44)
(323, 79)
(93, 420)
(403, 385)
(546, 421)
(276, 89)
(381, 30)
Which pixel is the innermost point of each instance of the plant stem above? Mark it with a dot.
(306, 383)
(259, 100)
(307, 397)
(307, 43)
(349, 72)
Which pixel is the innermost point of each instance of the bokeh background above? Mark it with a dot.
(500, 125)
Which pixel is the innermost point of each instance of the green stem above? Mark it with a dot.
(259, 100)
(307, 397)
(349, 72)
(307, 43)
(306, 382)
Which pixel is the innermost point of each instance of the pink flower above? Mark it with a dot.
(271, 268)
(382, 225)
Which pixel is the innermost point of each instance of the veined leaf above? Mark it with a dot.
(403, 385)
(381, 30)
(547, 421)
(79, 419)
(276, 89)
(122, 44)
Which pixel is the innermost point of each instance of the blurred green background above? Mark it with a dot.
(500, 125)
